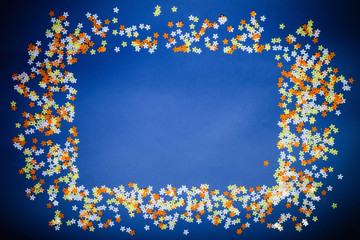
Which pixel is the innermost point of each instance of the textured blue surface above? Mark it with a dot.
(180, 119)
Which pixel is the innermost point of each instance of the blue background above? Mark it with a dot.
(180, 119)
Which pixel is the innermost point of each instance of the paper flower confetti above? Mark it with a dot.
(310, 88)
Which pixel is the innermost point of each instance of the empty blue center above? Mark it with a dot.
(176, 118)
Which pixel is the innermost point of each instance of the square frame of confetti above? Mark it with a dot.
(180, 119)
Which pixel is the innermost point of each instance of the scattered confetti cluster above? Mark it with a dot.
(309, 90)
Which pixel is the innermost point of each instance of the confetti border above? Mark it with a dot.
(304, 83)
